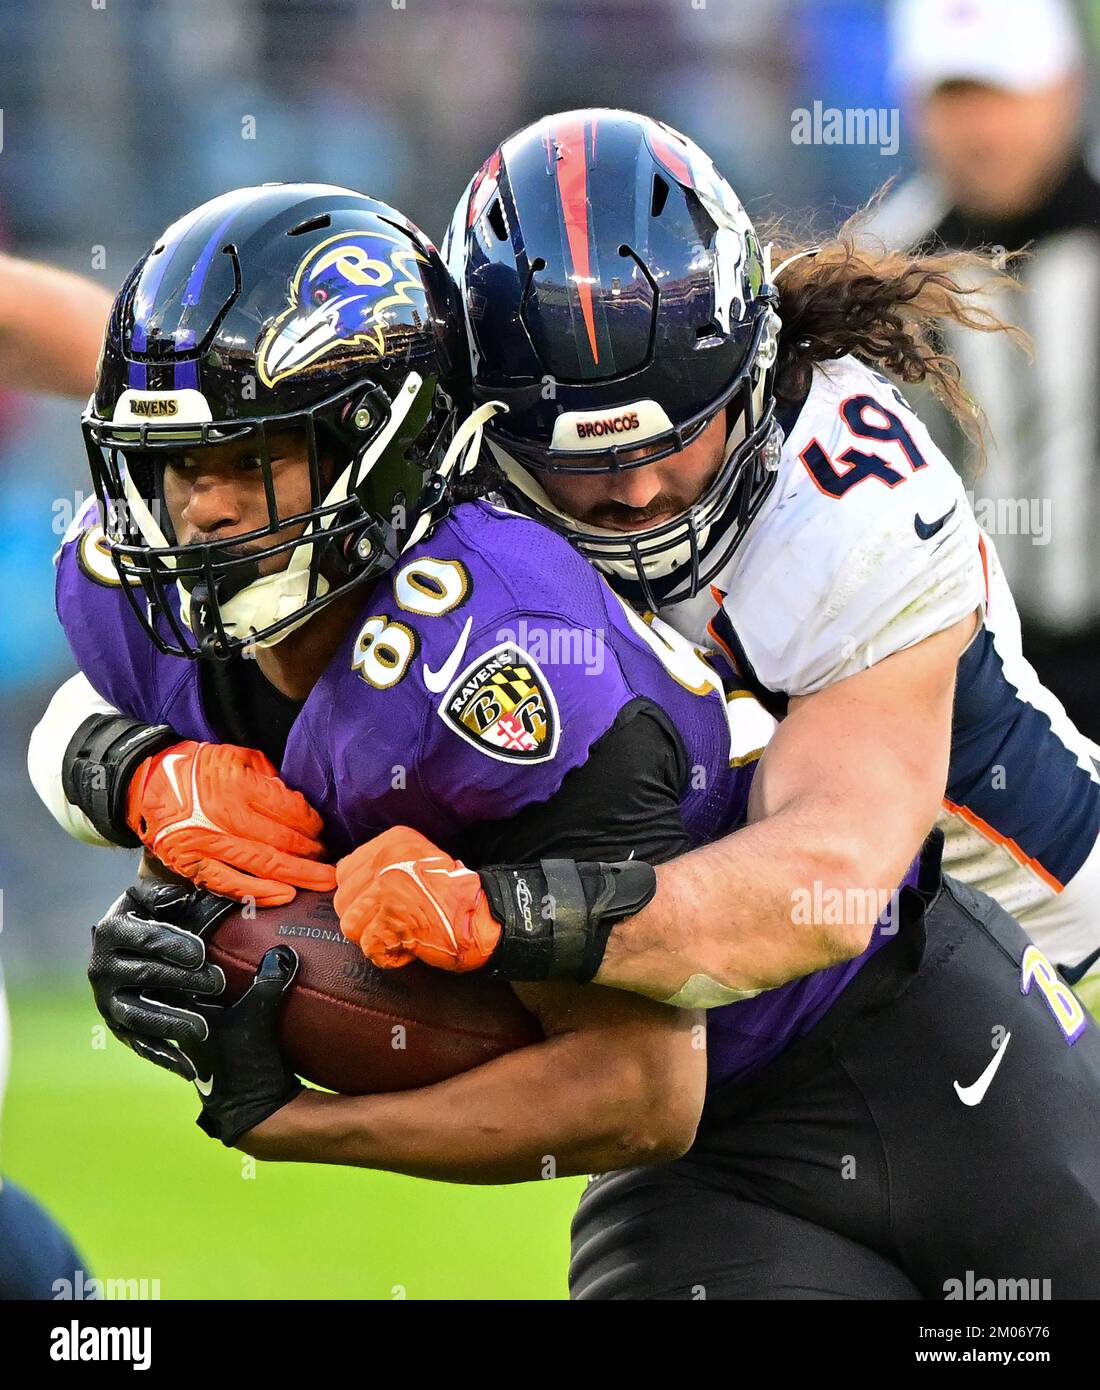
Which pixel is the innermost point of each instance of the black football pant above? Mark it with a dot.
(851, 1167)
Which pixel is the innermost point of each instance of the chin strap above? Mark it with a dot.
(277, 595)
(285, 591)
(468, 436)
(463, 451)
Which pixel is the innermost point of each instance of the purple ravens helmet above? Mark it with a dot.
(617, 299)
(289, 307)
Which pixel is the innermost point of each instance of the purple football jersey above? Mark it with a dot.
(743, 1038)
(481, 670)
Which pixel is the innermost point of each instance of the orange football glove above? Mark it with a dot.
(401, 898)
(222, 817)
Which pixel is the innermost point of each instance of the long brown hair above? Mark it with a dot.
(887, 307)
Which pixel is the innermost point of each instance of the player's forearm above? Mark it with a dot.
(33, 300)
(745, 911)
(550, 1110)
(72, 704)
(845, 794)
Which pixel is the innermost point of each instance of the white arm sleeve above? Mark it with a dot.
(68, 709)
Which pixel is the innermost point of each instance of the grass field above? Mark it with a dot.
(109, 1144)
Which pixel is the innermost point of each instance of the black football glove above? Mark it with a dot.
(239, 1071)
(149, 941)
(141, 946)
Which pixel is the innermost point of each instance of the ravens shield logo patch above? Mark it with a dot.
(503, 705)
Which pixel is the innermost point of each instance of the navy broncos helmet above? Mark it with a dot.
(290, 307)
(617, 298)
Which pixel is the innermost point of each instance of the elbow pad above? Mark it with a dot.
(100, 759)
(556, 915)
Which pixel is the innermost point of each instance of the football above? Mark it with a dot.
(352, 1028)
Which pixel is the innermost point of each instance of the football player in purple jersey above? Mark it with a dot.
(279, 410)
(278, 419)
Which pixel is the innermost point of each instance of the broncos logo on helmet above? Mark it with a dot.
(336, 301)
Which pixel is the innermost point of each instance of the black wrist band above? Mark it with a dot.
(102, 756)
(556, 915)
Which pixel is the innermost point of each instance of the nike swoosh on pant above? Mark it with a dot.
(975, 1094)
(438, 681)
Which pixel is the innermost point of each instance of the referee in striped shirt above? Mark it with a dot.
(995, 92)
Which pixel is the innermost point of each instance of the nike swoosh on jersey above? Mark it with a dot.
(438, 681)
(927, 529)
(204, 1087)
(975, 1094)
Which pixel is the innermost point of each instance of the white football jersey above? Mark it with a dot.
(834, 575)
(865, 546)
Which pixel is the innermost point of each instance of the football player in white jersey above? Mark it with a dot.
(727, 450)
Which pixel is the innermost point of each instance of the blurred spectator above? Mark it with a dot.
(995, 90)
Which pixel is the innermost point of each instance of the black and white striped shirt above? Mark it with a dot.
(1039, 494)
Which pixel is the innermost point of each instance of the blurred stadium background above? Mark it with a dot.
(118, 115)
